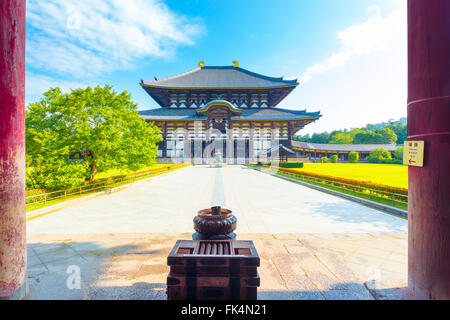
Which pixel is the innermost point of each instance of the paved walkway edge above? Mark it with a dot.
(30, 215)
(368, 203)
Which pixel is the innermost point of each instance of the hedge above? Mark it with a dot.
(291, 164)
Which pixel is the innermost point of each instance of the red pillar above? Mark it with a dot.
(12, 149)
(429, 120)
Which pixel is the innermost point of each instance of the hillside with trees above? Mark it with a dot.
(390, 132)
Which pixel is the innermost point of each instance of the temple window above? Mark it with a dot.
(175, 148)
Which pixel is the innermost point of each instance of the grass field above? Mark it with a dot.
(388, 174)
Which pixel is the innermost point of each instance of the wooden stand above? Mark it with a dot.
(213, 270)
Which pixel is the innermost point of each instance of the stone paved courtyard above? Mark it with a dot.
(312, 245)
(262, 204)
(293, 266)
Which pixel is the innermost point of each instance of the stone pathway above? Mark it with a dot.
(293, 266)
(262, 204)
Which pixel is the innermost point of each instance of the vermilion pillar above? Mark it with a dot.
(12, 149)
(429, 120)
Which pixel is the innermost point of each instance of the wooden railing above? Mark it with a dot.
(105, 184)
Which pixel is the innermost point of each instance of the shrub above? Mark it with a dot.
(323, 160)
(398, 153)
(291, 164)
(379, 155)
(353, 157)
(334, 158)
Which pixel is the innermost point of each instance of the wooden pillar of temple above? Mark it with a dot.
(13, 251)
(429, 121)
(164, 147)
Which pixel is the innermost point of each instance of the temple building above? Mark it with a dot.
(222, 109)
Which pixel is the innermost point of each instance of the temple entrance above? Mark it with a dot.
(234, 151)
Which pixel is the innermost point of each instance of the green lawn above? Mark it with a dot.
(388, 174)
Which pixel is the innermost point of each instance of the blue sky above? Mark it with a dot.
(349, 55)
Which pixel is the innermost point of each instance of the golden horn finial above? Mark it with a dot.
(236, 64)
(201, 63)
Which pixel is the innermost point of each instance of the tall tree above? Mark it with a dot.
(99, 126)
(389, 136)
(342, 138)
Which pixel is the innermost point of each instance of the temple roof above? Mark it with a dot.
(228, 77)
(279, 148)
(342, 147)
(247, 114)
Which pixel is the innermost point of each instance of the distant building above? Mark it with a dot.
(224, 109)
(315, 151)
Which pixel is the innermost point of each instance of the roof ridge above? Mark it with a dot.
(242, 70)
(275, 79)
(177, 75)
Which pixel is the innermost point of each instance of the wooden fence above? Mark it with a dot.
(101, 185)
(376, 192)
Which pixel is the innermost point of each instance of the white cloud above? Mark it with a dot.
(377, 34)
(97, 36)
(364, 80)
(335, 60)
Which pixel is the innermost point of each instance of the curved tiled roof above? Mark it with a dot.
(276, 148)
(219, 77)
(247, 114)
(229, 105)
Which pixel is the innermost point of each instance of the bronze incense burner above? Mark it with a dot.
(215, 223)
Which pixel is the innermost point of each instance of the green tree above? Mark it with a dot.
(398, 153)
(388, 136)
(379, 155)
(384, 136)
(323, 137)
(99, 126)
(334, 158)
(353, 157)
(324, 160)
(342, 138)
(401, 130)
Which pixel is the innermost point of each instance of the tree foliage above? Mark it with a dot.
(398, 153)
(342, 138)
(379, 155)
(353, 157)
(72, 136)
(384, 136)
(334, 158)
(383, 133)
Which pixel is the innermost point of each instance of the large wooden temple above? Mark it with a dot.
(222, 109)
